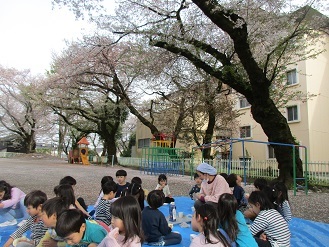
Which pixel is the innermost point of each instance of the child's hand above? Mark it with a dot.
(114, 233)
(263, 237)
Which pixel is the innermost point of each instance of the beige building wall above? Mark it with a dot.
(311, 130)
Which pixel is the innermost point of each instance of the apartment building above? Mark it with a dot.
(308, 120)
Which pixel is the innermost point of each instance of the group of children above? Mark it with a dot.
(121, 219)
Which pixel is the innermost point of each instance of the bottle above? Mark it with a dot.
(172, 211)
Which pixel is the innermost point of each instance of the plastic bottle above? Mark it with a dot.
(172, 211)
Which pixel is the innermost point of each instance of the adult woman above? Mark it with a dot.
(212, 186)
(11, 204)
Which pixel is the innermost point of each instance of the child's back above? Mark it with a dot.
(154, 223)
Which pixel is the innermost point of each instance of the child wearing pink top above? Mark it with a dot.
(11, 204)
(126, 223)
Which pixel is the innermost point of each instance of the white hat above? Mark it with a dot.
(206, 168)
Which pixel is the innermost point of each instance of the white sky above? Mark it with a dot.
(30, 31)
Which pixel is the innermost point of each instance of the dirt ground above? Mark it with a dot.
(35, 171)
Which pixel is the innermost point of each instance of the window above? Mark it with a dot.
(271, 154)
(243, 103)
(143, 143)
(292, 113)
(245, 132)
(292, 77)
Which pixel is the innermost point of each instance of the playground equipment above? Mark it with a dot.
(231, 141)
(162, 157)
(80, 154)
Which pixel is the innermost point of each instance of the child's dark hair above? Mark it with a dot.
(136, 190)
(261, 198)
(224, 175)
(106, 179)
(5, 187)
(227, 207)
(68, 222)
(128, 210)
(270, 193)
(109, 186)
(162, 177)
(35, 198)
(53, 206)
(155, 199)
(208, 214)
(121, 173)
(136, 180)
(260, 183)
(66, 192)
(231, 179)
(68, 180)
(196, 175)
(282, 192)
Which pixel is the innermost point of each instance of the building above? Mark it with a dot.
(308, 120)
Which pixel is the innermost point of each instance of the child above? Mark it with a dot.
(121, 176)
(260, 184)
(103, 208)
(196, 188)
(126, 223)
(155, 226)
(282, 200)
(234, 181)
(79, 203)
(205, 222)
(50, 210)
(233, 222)
(33, 201)
(136, 190)
(101, 194)
(11, 204)
(66, 193)
(268, 220)
(75, 229)
(164, 187)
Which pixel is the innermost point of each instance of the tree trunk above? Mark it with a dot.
(111, 150)
(277, 130)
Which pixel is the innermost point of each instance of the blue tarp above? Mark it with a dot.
(304, 233)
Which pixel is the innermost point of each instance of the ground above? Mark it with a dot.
(42, 172)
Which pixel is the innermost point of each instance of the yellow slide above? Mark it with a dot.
(84, 157)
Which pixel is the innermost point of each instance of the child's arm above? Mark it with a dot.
(9, 242)
(110, 239)
(78, 205)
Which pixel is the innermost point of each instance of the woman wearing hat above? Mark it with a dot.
(212, 186)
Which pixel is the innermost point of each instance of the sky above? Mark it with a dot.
(31, 31)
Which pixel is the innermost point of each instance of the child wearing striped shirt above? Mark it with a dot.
(103, 208)
(33, 201)
(275, 228)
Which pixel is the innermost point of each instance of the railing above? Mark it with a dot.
(318, 172)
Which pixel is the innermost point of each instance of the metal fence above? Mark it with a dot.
(318, 172)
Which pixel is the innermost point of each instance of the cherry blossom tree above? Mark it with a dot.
(20, 112)
(244, 44)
